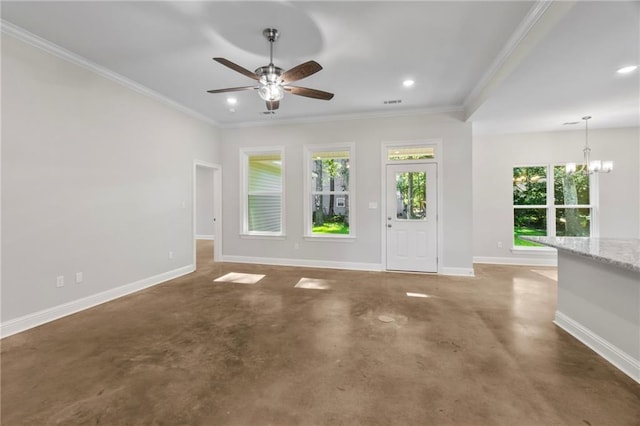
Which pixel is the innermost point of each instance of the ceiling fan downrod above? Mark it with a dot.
(270, 75)
(271, 34)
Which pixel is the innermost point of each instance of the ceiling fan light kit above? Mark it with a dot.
(273, 81)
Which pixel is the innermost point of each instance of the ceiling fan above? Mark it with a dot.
(274, 81)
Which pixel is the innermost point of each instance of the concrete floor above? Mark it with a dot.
(477, 351)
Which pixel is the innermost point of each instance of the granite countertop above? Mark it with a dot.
(622, 252)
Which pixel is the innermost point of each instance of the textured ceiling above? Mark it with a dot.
(510, 66)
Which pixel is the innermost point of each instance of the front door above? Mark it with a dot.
(411, 219)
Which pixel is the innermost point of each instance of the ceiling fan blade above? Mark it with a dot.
(309, 93)
(232, 89)
(273, 105)
(301, 71)
(238, 68)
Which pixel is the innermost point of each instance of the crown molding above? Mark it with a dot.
(506, 53)
(23, 35)
(344, 117)
(36, 41)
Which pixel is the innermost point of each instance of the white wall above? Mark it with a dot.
(495, 155)
(368, 136)
(204, 203)
(95, 178)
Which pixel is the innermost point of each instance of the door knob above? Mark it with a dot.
(389, 218)
(389, 226)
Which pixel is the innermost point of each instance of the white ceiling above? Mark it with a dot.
(509, 65)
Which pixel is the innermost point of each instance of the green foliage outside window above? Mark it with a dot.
(529, 186)
(330, 181)
(411, 188)
(530, 189)
(571, 190)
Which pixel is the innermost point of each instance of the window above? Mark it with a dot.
(263, 192)
(572, 202)
(548, 201)
(411, 195)
(404, 153)
(328, 191)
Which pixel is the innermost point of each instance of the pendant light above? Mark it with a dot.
(590, 166)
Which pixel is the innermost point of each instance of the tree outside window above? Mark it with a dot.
(330, 192)
(411, 190)
(548, 201)
(571, 190)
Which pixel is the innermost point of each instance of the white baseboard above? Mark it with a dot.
(458, 272)
(205, 237)
(35, 319)
(305, 263)
(620, 359)
(331, 264)
(522, 261)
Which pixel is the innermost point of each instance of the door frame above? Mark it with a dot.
(437, 144)
(217, 208)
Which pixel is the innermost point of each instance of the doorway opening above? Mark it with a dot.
(207, 213)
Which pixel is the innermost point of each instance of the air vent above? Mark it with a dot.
(393, 101)
(570, 123)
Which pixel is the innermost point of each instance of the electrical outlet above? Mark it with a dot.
(296, 246)
(499, 244)
(170, 255)
(60, 281)
(78, 277)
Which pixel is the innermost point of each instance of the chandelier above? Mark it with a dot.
(590, 166)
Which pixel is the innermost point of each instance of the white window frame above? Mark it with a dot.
(551, 207)
(351, 193)
(245, 154)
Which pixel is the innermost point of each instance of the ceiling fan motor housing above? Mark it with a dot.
(269, 74)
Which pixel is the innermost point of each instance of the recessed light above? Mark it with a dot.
(408, 83)
(232, 101)
(627, 69)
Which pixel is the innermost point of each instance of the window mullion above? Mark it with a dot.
(594, 201)
(551, 208)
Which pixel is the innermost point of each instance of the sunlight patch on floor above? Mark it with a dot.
(409, 294)
(314, 283)
(240, 278)
(552, 274)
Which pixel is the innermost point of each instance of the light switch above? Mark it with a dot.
(373, 205)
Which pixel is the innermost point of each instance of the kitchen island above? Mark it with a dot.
(599, 296)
